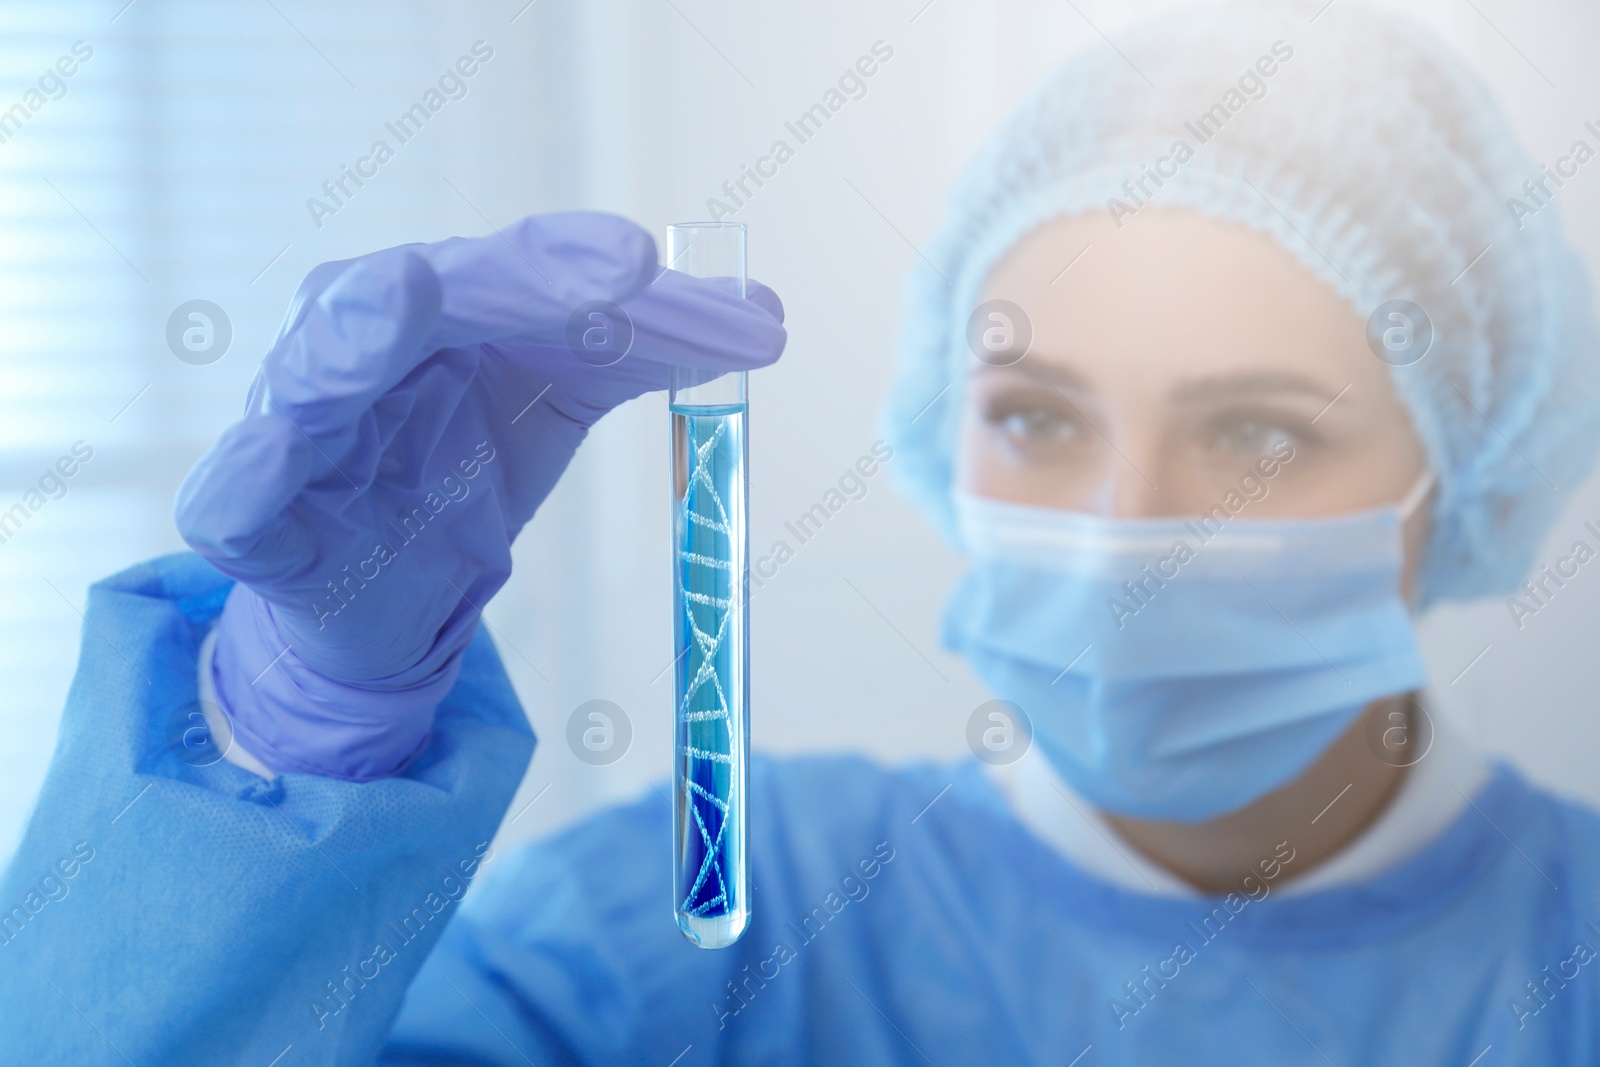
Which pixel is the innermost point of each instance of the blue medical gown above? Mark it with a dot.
(901, 917)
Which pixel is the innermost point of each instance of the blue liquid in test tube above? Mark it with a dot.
(711, 622)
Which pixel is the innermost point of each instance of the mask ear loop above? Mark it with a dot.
(1419, 492)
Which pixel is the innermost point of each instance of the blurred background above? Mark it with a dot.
(177, 164)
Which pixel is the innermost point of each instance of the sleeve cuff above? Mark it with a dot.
(218, 722)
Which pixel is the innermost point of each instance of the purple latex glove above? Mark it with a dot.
(418, 405)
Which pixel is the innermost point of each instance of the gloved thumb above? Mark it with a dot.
(702, 322)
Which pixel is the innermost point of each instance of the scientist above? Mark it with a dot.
(1229, 360)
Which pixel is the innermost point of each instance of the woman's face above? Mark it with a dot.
(1174, 361)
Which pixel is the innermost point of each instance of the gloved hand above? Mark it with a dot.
(417, 406)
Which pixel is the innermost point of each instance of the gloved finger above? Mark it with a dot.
(233, 507)
(695, 331)
(264, 501)
(312, 407)
(523, 283)
(695, 322)
(317, 280)
(764, 298)
(363, 333)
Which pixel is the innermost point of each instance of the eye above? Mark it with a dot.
(1034, 422)
(1249, 434)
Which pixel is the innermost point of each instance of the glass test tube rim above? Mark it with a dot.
(688, 387)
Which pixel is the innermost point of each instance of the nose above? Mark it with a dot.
(1135, 496)
(1127, 490)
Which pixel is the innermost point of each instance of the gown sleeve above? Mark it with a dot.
(568, 952)
(167, 907)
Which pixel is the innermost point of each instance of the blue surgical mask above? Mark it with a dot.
(1179, 669)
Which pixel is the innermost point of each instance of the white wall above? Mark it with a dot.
(191, 141)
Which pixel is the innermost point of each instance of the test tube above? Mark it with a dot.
(711, 621)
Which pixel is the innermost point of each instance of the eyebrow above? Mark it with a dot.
(1240, 385)
(1047, 373)
(1251, 384)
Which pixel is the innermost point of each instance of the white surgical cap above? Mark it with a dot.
(1382, 165)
